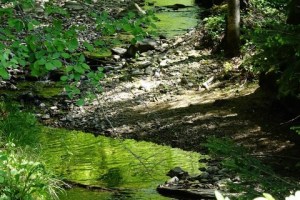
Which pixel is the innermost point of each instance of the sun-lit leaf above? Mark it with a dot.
(49, 66)
(80, 102)
(73, 44)
(64, 78)
(3, 73)
(79, 69)
(56, 63)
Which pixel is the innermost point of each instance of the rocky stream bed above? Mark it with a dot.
(176, 93)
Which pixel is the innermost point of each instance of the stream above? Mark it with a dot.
(175, 22)
(135, 168)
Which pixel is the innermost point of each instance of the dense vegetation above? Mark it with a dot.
(270, 48)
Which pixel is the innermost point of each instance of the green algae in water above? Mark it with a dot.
(135, 166)
(174, 23)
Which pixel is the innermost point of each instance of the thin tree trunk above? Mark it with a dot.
(232, 36)
(294, 12)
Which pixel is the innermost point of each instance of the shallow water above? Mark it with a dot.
(134, 167)
(175, 22)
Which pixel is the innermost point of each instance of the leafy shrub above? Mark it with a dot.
(277, 45)
(23, 178)
(41, 47)
(17, 126)
(215, 26)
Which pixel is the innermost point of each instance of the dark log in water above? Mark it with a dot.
(187, 193)
(70, 184)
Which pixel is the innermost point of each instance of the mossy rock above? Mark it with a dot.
(98, 54)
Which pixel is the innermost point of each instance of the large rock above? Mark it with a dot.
(143, 46)
(177, 171)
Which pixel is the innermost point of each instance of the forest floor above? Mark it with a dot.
(180, 96)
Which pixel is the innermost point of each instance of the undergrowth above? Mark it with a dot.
(20, 127)
(256, 177)
(22, 175)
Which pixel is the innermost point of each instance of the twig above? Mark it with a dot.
(290, 121)
(278, 156)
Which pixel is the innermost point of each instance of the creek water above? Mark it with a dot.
(175, 22)
(135, 168)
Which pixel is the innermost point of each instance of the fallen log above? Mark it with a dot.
(70, 184)
(186, 193)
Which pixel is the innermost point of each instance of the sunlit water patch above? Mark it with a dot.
(135, 167)
(175, 22)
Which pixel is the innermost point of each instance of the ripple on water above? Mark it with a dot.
(128, 164)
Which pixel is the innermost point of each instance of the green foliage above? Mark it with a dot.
(277, 44)
(215, 26)
(297, 129)
(255, 176)
(23, 178)
(45, 46)
(17, 126)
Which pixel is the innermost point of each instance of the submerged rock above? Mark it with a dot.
(178, 172)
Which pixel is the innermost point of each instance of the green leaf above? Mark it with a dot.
(65, 55)
(99, 43)
(77, 77)
(49, 66)
(56, 55)
(81, 58)
(79, 69)
(133, 41)
(3, 73)
(57, 63)
(64, 78)
(85, 66)
(3, 157)
(80, 102)
(2, 179)
(41, 61)
(88, 46)
(73, 44)
(69, 68)
(16, 23)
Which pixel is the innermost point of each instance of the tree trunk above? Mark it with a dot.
(294, 12)
(232, 35)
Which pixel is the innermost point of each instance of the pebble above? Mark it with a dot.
(143, 64)
(212, 169)
(119, 50)
(173, 180)
(46, 116)
(148, 71)
(163, 63)
(53, 108)
(204, 175)
(137, 72)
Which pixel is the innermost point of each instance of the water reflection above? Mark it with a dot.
(135, 166)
